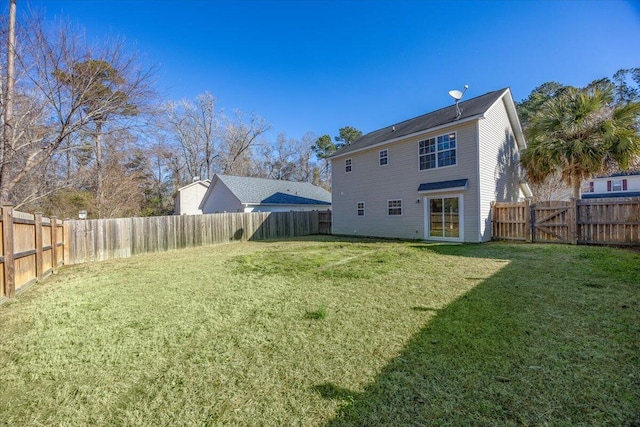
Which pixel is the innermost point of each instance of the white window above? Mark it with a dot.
(360, 208)
(383, 157)
(438, 152)
(616, 185)
(394, 207)
(347, 165)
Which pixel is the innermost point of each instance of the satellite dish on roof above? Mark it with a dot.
(457, 96)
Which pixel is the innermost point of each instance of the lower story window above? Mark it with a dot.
(394, 207)
(360, 208)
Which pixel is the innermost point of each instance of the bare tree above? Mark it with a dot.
(58, 100)
(194, 126)
(279, 158)
(238, 135)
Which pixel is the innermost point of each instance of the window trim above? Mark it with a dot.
(385, 157)
(395, 207)
(358, 209)
(437, 166)
(348, 165)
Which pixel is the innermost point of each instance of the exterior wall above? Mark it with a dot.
(498, 165)
(399, 179)
(286, 208)
(600, 186)
(221, 199)
(189, 199)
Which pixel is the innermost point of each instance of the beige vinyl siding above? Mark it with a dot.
(189, 199)
(498, 169)
(221, 199)
(368, 182)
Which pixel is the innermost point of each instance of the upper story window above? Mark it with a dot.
(394, 207)
(438, 152)
(360, 208)
(617, 185)
(587, 187)
(383, 157)
(347, 165)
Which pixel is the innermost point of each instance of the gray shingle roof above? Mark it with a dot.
(470, 108)
(443, 185)
(275, 192)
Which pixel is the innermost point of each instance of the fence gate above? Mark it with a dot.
(551, 222)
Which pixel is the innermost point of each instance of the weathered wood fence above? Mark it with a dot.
(591, 221)
(98, 240)
(32, 248)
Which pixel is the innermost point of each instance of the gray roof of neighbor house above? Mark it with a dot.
(275, 192)
(470, 108)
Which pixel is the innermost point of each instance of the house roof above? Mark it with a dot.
(263, 191)
(632, 172)
(205, 183)
(471, 109)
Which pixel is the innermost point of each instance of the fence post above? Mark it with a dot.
(54, 242)
(572, 220)
(532, 214)
(39, 248)
(65, 248)
(7, 246)
(528, 226)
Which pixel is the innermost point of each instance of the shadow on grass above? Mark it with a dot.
(528, 346)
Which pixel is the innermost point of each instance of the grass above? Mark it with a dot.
(332, 332)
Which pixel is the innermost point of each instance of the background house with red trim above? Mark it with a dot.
(620, 184)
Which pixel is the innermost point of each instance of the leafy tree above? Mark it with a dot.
(578, 133)
(538, 96)
(323, 149)
(347, 135)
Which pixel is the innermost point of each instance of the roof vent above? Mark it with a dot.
(196, 178)
(457, 96)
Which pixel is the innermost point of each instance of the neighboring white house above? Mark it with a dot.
(228, 193)
(621, 184)
(189, 198)
(432, 177)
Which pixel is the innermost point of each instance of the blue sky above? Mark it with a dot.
(321, 65)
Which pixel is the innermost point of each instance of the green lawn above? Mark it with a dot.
(332, 332)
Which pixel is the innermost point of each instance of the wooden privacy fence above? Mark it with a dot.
(98, 240)
(591, 221)
(32, 248)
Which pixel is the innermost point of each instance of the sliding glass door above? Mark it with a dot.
(445, 217)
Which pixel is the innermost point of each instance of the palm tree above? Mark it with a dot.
(579, 133)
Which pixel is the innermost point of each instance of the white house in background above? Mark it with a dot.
(621, 184)
(432, 177)
(228, 193)
(189, 197)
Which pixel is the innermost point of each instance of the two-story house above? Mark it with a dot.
(620, 184)
(432, 177)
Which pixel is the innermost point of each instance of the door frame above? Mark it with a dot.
(427, 216)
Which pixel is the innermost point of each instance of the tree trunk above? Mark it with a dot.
(576, 184)
(7, 128)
